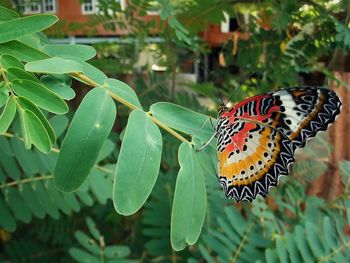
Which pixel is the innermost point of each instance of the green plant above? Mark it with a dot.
(91, 170)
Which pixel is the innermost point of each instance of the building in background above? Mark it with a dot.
(71, 12)
(75, 27)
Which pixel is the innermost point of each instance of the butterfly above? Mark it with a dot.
(257, 138)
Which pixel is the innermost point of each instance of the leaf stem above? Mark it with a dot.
(242, 243)
(168, 129)
(56, 150)
(335, 252)
(92, 83)
(27, 180)
(3, 74)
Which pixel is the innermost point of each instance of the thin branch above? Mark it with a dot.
(167, 128)
(242, 243)
(90, 82)
(56, 150)
(25, 181)
(335, 252)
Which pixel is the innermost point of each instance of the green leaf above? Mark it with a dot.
(313, 237)
(101, 185)
(18, 207)
(82, 256)
(4, 93)
(83, 52)
(7, 221)
(84, 140)
(329, 234)
(117, 251)
(302, 245)
(59, 124)
(10, 30)
(7, 14)
(238, 223)
(124, 91)
(281, 250)
(183, 119)
(45, 200)
(90, 71)
(40, 95)
(72, 201)
(107, 149)
(271, 256)
(189, 200)
(8, 61)
(86, 242)
(55, 65)
(205, 254)
(32, 201)
(26, 104)
(10, 166)
(21, 51)
(16, 73)
(138, 163)
(5, 146)
(25, 158)
(59, 86)
(8, 114)
(292, 249)
(34, 132)
(85, 197)
(58, 198)
(92, 228)
(32, 40)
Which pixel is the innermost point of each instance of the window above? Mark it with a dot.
(229, 25)
(26, 7)
(49, 6)
(89, 7)
(21, 6)
(34, 7)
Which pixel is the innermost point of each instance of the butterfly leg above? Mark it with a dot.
(207, 143)
(203, 125)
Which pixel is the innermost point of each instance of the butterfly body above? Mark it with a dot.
(257, 138)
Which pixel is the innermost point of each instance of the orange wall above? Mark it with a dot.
(69, 11)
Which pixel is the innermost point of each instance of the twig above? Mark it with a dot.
(90, 82)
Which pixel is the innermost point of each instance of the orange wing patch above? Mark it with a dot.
(244, 165)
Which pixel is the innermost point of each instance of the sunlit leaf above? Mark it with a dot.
(84, 140)
(12, 29)
(189, 203)
(141, 147)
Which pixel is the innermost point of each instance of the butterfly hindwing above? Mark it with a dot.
(257, 137)
(251, 159)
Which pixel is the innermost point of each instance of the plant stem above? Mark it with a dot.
(90, 82)
(27, 180)
(56, 150)
(335, 252)
(242, 243)
(3, 74)
(167, 128)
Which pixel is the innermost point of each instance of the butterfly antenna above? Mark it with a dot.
(220, 95)
(217, 89)
(236, 89)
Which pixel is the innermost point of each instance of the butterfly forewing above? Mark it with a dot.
(257, 137)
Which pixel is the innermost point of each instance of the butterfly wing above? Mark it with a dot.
(257, 137)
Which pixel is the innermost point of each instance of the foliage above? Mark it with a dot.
(136, 167)
(95, 249)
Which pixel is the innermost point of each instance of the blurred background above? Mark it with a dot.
(179, 51)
